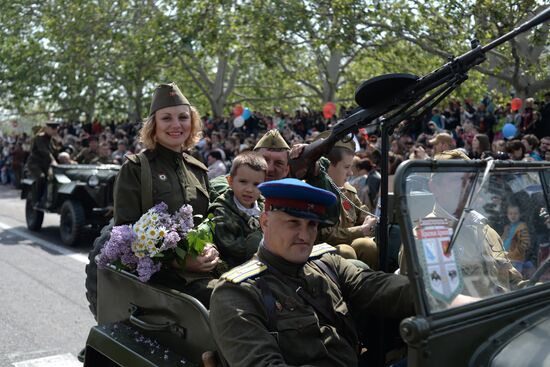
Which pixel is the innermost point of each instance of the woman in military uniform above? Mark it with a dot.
(165, 172)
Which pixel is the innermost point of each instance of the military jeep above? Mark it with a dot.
(82, 194)
(474, 306)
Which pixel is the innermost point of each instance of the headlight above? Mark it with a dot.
(93, 181)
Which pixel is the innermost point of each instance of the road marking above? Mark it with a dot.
(46, 244)
(60, 360)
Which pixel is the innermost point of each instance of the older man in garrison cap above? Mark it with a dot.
(274, 149)
(290, 304)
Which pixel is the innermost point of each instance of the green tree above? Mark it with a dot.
(443, 29)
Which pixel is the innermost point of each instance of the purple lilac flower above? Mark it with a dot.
(170, 240)
(129, 259)
(161, 207)
(184, 225)
(146, 268)
(119, 243)
(186, 211)
(164, 220)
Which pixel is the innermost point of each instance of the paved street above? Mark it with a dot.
(45, 317)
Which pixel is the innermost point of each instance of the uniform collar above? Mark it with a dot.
(278, 263)
(166, 153)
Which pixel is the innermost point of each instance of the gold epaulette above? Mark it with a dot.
(321, 249)
(245, 271)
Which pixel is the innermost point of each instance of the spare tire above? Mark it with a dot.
(91, 267)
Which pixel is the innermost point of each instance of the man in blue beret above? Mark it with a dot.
(291, 304)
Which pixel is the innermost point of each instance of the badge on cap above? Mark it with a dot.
(162, 176)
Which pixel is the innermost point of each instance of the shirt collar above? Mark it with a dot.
(253, 212)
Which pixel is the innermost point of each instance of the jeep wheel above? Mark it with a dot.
(91, 267)
(72, 222)
(33, 217)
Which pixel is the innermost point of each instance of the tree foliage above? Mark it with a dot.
(99, 57)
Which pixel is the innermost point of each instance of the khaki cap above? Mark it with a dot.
(272, 140)
(441, 138)
(167, 95)
(349, 145)
(452, 154)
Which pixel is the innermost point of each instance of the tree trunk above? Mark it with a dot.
(332, 76)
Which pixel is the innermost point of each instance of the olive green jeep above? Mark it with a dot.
(475, 305)
(82, 194)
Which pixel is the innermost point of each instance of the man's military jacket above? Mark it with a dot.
(86, 156)
(43, 148)
(350, 220)
(301, 335)
(236, 234)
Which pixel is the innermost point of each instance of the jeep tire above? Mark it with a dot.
(72, 222)
(91, 267)
(33, 217)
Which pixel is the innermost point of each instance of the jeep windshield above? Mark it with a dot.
(473, 228)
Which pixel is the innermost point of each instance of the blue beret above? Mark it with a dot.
(297, 198)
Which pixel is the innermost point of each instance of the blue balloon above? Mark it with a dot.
(246, 114)
(509, 131)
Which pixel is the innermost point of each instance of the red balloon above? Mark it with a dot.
(516, 104)
(238, 110)
(329, 109)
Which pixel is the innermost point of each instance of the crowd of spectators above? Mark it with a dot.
(474, 127)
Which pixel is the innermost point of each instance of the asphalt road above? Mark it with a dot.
(44, 317)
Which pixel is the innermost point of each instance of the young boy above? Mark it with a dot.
(237, 233)
(355, 227)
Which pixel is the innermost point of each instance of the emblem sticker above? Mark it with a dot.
(162, 177)
(441, 272)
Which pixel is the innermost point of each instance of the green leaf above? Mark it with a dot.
(181, 253)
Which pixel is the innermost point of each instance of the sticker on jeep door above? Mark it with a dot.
(441, 273)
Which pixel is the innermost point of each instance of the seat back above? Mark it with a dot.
(176, 320)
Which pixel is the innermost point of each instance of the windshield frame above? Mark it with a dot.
(408, 239)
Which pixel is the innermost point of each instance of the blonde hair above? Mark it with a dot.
(147, 131)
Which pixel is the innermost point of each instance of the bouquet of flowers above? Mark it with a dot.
(157, 239)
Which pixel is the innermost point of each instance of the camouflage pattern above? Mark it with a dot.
(302, 335)
(218, 186)
(236, 234)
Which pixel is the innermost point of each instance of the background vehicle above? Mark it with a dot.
(82, 195)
